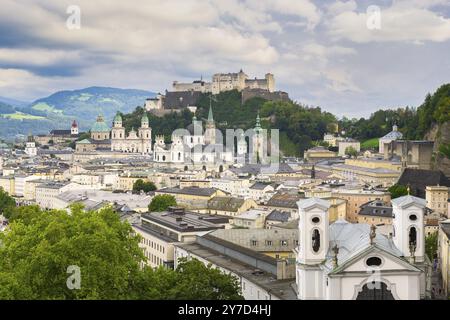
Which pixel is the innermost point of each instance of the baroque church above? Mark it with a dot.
(103, 138)
(193, 145)
(344, 261)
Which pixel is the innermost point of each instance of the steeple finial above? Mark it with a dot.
(210, 114)
(373, 233)
(409, 189)
(335, 256)
(258, 122)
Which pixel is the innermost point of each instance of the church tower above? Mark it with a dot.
(210, 130)
(30, 147)
(258, 143)
(145, 133)
(118, 131)
(408, 224)
(74, 129)
(313, 247)
(241, 145)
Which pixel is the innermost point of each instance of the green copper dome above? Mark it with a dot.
(118, 117)
(144, 118)
(100, 125)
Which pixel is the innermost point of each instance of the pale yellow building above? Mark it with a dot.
(125, 182)
(319, 153)
(356, 198)
(251, 219)
(437, 199)
(192, 198)
(7, 184)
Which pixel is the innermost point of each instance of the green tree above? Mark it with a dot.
(397, 191)
(162, 202)
(141, 185)
(351, 152)
(7, 204)
(40, 246)
(192, 280)
(431, 245)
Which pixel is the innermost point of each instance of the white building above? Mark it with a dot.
(193, 146)
(391, 136)
(344, 261)
(30, 147)
(348, 143)
(227, 81)
(135, 142)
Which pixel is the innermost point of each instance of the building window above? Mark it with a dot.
(316, 240)
(269, 243)
(254, 243)
(284, 243)
(413, 236)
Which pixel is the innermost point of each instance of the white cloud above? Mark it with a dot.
(403, 21)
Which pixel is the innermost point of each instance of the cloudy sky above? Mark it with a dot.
(335, 54)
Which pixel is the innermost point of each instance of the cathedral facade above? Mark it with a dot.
(134, 142)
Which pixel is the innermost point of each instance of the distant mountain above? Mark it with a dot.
(59, 109)
(13, 102)
(86, 104)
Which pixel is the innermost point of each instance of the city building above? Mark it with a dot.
(336, 262)
(413, 154)
(437, 199)
(229, 206)
(391, 136)
(356, 198)
(251, 219)
(417, 180)
(134, 142)
(344, 144)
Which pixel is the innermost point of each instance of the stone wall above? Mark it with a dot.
(265, 94)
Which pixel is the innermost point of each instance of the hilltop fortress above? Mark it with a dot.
(227, 81)
(186, 95)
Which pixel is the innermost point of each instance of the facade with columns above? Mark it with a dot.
(344, 261)
(194, 146)
(134, 142)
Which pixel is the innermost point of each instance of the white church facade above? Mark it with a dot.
(345, 261)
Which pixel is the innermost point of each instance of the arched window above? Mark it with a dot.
(375, 291)
(179, 156)
(164, 158)
(316, 240)
(413, 236)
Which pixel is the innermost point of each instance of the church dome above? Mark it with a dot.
(118, 118)
(100, 125)
(144, 118)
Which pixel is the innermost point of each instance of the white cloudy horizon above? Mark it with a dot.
(321, 52)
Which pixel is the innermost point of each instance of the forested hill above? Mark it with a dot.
(299, 125)
(414, 123)
(302, 127)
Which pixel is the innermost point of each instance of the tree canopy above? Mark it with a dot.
(398, 191)
(7, 204)
(141, 185)
(94, 255)
(162, 202)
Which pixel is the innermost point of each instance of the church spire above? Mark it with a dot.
(210, 115)
(258, 122)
